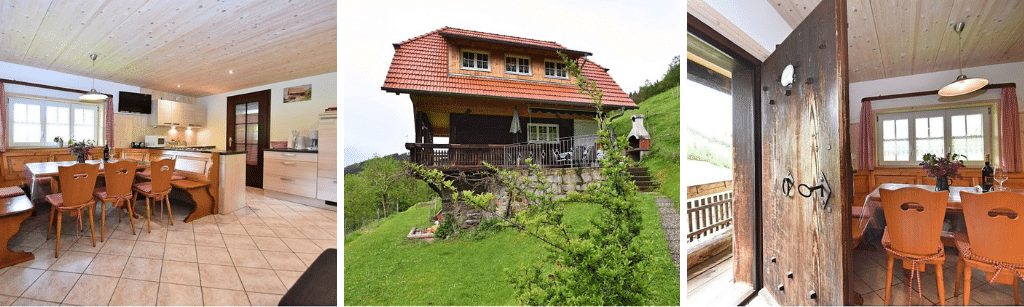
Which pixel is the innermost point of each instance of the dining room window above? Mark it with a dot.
(36, 122)
(905, 137)
(542, 133)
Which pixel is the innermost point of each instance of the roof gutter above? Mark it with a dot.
(567, 103)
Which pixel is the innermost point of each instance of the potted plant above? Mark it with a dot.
(80, 149)
(943, 169)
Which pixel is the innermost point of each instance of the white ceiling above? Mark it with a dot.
(160, 45)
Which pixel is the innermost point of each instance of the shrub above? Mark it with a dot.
(447, 227)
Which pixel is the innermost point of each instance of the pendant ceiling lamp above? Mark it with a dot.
(962, 84)
(93, 94)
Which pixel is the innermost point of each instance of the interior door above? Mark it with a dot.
(248, 127)
(807, 186)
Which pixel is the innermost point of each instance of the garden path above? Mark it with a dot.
(669, 225)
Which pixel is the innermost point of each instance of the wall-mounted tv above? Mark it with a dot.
(129, 102)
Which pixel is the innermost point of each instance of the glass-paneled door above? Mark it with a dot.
(247, 127)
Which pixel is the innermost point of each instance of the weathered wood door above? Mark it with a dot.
(807, 186)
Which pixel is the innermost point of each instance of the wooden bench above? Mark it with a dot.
(13, 211)
(193, 173)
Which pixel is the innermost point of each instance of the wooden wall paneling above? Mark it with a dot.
(932, 32)
(18, 33)
(865, 51)
(746, 175)
(898, 39)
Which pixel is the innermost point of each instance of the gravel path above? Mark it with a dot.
(669, 225)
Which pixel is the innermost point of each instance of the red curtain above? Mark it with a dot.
(1009, 132)
(3, 119)
(108, 121)
(866, 152)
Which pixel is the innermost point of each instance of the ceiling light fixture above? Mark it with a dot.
(962, 84)
(93, 94)
(231, 72)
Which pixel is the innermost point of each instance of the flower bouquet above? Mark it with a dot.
(943, 169)
(81, 149)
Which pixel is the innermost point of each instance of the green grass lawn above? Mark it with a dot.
(382, 267)
(662, 120)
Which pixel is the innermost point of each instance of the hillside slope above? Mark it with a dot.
(662, 121)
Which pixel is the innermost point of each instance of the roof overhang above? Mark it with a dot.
(503, 42)
(557, 102)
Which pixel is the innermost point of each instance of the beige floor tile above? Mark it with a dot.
(134, 293)
(66, 242)
(157, 235)
(239, 242)
(213, 255)
(249, 258)
(209, 239)
(261, 280)
(124, 233)
(233, 228)
(107, 265)
(143, 269)
(52, 286)
(325, 244)
(222, 297)
(303, 246)
(182, 273)
(31, 302)
(219, 276)
(259, 230)
(144, 249)
(86, 245)
(92, 290)
(43, 259)
(288, 278)
(307, 258)
(28, 238)
(287, 261)
(180, 252)
(179, 295)
(181, 237)
(16, 280)
(315, 233)
(205, 228)
(7, 300)
(74, 262)
(270, 244)
(226, 219)
(289, 232)
(179, 224)
(988, 295)
(118, 247)
(264, 299)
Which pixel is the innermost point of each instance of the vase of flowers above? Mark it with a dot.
(80, 149)
(943, 169)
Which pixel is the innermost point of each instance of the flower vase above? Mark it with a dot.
(81, 158)
(942, 183)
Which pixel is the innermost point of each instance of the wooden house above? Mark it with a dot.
(499, 99)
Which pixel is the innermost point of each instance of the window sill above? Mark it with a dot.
(559, 78)
(475, 69)
(518, 73)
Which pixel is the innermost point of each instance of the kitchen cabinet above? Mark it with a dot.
(174, 113)
(290, 172)
(327, 161)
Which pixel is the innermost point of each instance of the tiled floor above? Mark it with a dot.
(869, 280)
(248, 257)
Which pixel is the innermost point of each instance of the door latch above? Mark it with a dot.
(787, 185)
(824, 191)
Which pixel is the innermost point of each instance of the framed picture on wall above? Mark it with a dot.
(298, 93)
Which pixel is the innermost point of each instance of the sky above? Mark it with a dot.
(714, 118)
(635, 40)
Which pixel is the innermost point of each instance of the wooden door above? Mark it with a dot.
(248, 128)
(805, 126)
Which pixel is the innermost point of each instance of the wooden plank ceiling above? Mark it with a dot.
(183, 46)
(898, 38)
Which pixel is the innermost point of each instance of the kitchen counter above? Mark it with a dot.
(202, 149)
(291, 150)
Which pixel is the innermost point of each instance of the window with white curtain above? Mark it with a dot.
(35, 122)
(904, 138)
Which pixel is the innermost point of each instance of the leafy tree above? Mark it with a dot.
(376, 190)
(605, 263)
(669, 80)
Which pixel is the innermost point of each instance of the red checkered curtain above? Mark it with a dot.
(108, 120)
(3, 119)
(1009, 132)
(866, 151)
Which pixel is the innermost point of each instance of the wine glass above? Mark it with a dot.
(1001, 176)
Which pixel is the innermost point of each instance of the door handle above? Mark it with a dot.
(286, 179)
(231, 141)
(787, 185)
(288, 155)
(287, 163)
(824, 191)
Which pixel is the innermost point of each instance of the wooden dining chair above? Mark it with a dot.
(156, 189)
(913, 218)
(77, 183)
(995, 222)
(119, 177)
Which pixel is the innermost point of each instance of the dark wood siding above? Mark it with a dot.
(486, 129)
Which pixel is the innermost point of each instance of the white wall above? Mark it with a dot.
(755, 17)
(284, 117)
(1002, 73)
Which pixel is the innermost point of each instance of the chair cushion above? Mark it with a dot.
(11, 192)
(101, 193)
(44, 180)
(55, 199)
(147, 174)
(143, 186)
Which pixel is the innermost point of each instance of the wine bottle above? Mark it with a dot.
(106, 152)
(986, 176)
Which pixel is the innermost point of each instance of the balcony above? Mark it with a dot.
(575, 151)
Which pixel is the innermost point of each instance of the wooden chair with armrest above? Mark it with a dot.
(912, 234)
(994, 221)
(77, 184)
(119, 177)
(157, 189)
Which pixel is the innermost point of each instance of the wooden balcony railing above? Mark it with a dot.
(709, 214)
(576, 151)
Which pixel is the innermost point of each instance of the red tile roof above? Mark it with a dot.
(420, 65)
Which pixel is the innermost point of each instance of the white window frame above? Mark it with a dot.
(44, 102)
(518, 65)
(946, 114)
(555, 72)
(535, 137)
(475, 64)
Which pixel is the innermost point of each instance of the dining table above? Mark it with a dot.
(35, 171)
(875, 218)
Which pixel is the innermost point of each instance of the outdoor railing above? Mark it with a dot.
(709, 214)
(575, 151)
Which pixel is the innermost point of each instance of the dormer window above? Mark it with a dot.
(555, 70)
(517, 65)
(476, 60)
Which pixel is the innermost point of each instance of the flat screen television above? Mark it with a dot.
(129, 102)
